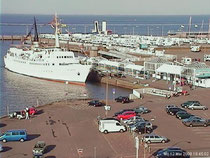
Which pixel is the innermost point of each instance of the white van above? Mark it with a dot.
(106, 126)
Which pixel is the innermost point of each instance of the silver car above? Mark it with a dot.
(154, 138)
(145, 123)
(197, 106)
(195, 122)
(133, 120)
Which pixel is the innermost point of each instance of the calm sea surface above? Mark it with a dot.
(18, 91)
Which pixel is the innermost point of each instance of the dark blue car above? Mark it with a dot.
(95, 103)
(172, 152)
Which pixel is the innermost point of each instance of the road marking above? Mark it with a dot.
(205, 114)
(205, 135)
(131, 156)
(109, 143)
(157, 145)
(201, 129)
(204, 132)
(206, 139)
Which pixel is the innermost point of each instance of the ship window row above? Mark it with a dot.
(47, 64)
(64, 57)
(20, 61)
(65, 63)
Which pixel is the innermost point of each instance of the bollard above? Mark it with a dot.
(149, 148)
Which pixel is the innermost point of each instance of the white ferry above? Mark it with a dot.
(47, 63)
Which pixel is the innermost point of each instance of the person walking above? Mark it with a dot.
(27, 113)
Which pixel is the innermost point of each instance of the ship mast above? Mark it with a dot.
(189, 28)
(56, 32)
(36, 37)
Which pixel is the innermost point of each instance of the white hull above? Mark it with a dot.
(67, 73)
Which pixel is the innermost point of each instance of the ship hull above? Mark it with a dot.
(69, 74)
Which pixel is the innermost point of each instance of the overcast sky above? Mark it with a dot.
(107, 7)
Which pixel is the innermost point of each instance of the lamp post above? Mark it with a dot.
(113, 92)
(107, 86)
(107, 107)
(137, 146)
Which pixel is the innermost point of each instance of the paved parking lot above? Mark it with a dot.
(67, 127)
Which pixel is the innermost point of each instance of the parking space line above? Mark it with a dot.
(201, 129)
(109, 144)
(129, 156)
(157, 145)
(202, 132)
(206, 139)
(205, 114)
(206, 135)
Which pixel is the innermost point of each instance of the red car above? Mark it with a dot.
(126, 115)
(31, 111)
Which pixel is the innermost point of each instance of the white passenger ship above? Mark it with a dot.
(47, 63)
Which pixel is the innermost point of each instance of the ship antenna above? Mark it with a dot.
(56, 32)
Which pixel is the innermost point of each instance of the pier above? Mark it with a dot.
(11, 37)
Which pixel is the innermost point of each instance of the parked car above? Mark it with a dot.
(126, 115)
(95, 103)
(14, 135)
(195, 122)
(183, 115)
(122, 99)
(133, 120)
(173, 111)
(154, 138)
(172, 152)
(186, 104)
(122, 111)
(141, 110)
(170, 106)
(32, 111)
(18, 115)
(39, 149)
(22, 114)
(191, 118)
(141, 129)
(197, 106)
(145, 124)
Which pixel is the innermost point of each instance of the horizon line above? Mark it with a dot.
(109, 14)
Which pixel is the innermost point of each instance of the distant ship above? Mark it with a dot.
(55, 63)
